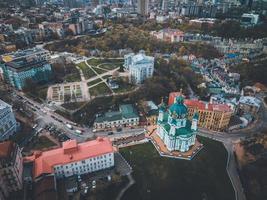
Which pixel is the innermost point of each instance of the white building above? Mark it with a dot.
(74, 159)
(8, 124)
(249, 19)
(140, 67)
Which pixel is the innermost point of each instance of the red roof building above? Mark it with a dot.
(211, 116)
(73, 158)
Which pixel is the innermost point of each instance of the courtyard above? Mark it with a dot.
(93, 74)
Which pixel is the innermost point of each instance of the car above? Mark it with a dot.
(86, 190)
(93, 184)
(110, 133)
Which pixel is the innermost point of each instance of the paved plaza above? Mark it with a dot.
(163, 151)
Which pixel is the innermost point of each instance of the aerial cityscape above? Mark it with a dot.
(133, 99)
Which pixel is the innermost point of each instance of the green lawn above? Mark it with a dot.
(39, 94)
(125, 87)
(88, 73)
(106, 76)
(99, 71)
(100, 89)
(72, 77)
(159, 178)
(96, 61)
(72, 106)
(94, 82)
(110, 66)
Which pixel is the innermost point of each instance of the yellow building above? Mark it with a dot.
(214, 117)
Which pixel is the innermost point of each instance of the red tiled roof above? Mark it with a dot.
(70, 152)
(207, 106)
(172, 96)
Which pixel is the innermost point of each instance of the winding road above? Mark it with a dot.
(229, 139)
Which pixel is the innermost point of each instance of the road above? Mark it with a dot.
(46, 116)
(229, 139)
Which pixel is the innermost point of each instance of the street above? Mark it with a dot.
(46, 116)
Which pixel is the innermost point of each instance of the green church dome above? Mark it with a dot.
(178, 107)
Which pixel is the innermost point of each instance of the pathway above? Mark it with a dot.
(131, 182)
(101, 77)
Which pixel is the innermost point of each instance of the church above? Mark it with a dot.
(174, 128)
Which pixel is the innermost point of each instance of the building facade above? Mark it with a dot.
(126, 117)
(140, 67)
(29, 65)
(142, 7)
(214, 117)
(8, 123)
(11, 169)
(74, 159)
(169, 35)
(249, 105)
(174, 127)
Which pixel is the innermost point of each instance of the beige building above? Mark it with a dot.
(11, 168)
(214, 117)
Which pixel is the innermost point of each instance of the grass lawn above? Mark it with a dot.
(159, 178)
(39, 94)
(95, 61)
(106, 76)
(42, 143)
(72, 77)
(88, 73)
(100, 89)
(42, 93)
(94, 82)
(99, 71)
(125, 87)
(110, 66)
(72, 106)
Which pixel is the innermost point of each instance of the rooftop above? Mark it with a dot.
(200, 105)
(21, 54)
(253, 101)
(23, 63)
(70, 151)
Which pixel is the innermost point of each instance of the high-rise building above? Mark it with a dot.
(11, 168)
(142, 7)
(8, 124)
(164, 5)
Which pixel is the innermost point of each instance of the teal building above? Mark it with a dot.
(18, 71)
(174, 128)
